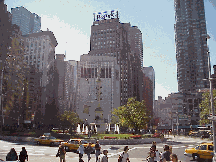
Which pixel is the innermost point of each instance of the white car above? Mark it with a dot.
(214, 157)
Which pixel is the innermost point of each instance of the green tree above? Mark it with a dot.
(205, 107)
(14, 82)
(71, 119)
(132, 115)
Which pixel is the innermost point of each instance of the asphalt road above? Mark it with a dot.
(137, 153)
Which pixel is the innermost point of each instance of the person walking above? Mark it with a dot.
(23, 155)
(156, 154)
(125, 155)
(88, 151)
(80, 151)
(103, 158)
(174, 158)
(61, 152)
(12, 155)
(97, 150)
(154, 144)
(151, 155)
(166, 154)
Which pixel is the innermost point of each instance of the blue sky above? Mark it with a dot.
(71, 20)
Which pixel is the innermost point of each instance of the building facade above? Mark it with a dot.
(150, 73)
(98, 91)
(109, 37)
(191, 45)
(28, 22)
(147, 88)
(65, 72)
(40, 52)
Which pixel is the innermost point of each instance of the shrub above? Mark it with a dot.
(136, 136)
(107, 137)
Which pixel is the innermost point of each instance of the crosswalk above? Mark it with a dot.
(51, 151)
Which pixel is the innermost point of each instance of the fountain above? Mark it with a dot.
(96, 128)
(117, 128)
(109, 128)
(86, 130)
(83, 129)
(78, 129)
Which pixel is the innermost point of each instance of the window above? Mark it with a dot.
(210, 147)
(203, 147)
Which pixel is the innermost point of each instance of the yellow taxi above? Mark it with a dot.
(202, 151)
(73, 145)
(48, 140)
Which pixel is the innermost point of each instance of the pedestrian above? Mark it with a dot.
(154, 143)
(89, 134)
(12, 155)
(80, 151)
(103, 158)
(174, 158)
(88, 151)
(97, 150)
(61, 152)
(23, 155)
(156, 154)
(166, 154)
(125, 155)
(151, 155)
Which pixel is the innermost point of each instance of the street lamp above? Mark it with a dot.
(212, 106)
(177, 124)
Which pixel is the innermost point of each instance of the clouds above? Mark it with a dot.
(69, 37)
(162, 90)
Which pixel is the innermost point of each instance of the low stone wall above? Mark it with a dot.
(17, 138)
(101, 141)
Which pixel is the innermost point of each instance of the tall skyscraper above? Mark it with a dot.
(191, 45)
(109, 37)
(28, 22)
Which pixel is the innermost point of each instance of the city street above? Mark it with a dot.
(137, 153)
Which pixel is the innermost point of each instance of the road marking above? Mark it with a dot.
(35, 154)
(3, 152)
(175, 147)
(39, 151)
(42, 149)
(29, 148)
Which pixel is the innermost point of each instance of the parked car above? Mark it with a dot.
(202, 151)
(206, 135)
(73, 145)
(157, 135)
(48, 140)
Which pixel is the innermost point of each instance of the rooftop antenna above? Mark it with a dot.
(65, 55)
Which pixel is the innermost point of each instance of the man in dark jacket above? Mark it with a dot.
(166, 153)
(12, 155)
(23, 155)
(88, 151)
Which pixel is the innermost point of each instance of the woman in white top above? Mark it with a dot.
(125, 155)
(80, 150)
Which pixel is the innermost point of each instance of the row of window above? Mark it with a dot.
(92, 73)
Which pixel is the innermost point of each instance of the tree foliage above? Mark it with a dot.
(70, 119)
(205, 107)
(132, 115)
(14, 80)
